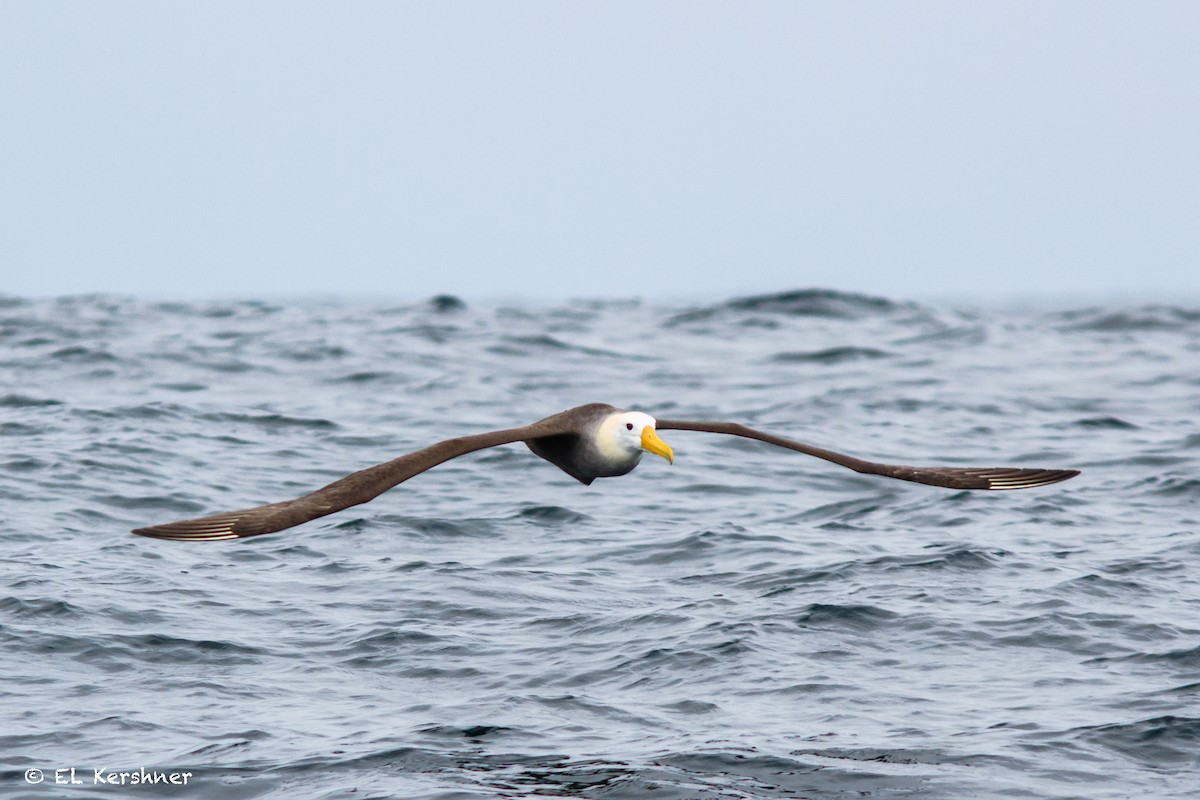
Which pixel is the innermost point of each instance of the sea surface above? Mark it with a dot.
(747, 623)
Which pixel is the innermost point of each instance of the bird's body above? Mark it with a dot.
(587, 442)
(591, 450)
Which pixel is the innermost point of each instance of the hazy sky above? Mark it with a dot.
(552, 149)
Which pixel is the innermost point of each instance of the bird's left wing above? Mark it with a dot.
(948, 477)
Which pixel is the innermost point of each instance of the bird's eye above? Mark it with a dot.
(628, 426)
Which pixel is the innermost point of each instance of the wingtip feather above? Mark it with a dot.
(204, 529)
(174, 534)
(1031, 479)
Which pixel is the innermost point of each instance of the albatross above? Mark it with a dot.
(588, 442)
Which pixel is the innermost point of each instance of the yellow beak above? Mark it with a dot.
(651, 442)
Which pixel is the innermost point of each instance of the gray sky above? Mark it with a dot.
(552, 149)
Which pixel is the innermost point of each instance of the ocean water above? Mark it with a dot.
(747, 623)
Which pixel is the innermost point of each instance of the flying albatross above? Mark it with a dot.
(588, 442)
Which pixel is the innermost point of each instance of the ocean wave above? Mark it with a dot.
(832, 355)
(1138, 319)
(1167, 742)
(814, 303)
(744, 623)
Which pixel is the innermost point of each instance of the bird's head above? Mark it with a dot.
(633, 432)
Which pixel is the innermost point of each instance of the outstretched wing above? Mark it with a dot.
(351, 490)
(949, 477)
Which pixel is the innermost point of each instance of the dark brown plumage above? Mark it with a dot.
(586, 443)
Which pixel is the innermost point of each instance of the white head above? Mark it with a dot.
(631, 432)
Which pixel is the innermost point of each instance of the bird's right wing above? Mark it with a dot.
(351, 490)
(948, 477)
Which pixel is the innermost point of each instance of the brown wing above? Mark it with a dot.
(949, 477)
(351, 490)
